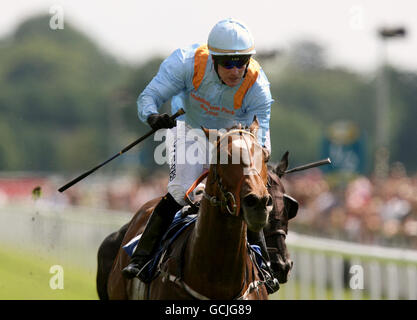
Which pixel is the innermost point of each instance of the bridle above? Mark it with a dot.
(227, 200)
(279, 231)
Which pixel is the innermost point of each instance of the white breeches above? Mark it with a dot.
(188, 152)
(188, 156)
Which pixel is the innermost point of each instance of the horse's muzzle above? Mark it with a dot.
(253, 201)
(282, 269)
(256, 210)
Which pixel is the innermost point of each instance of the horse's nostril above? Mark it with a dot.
(250, 200)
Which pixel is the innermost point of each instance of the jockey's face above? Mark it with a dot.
(231, 77)
(231, 69)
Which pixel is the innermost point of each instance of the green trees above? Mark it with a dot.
(66, 105)
(310, 96)
(55, 85)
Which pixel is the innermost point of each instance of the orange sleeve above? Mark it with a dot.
(250, 79)
(200, 61)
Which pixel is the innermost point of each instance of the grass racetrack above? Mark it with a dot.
(26, 276)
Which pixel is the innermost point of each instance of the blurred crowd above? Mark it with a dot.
(365, 210)
(126, 193)
(358, 209)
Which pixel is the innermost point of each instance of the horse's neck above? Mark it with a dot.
(217, 251)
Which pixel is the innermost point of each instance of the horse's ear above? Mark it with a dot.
(206, 132)
(282, 165)
(254, 126)
(291, 206)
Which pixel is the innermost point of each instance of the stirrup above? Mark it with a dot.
(138, 274)
(190, 210)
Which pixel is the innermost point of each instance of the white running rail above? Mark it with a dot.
(332, 269)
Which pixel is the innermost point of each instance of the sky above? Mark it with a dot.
(134, 30)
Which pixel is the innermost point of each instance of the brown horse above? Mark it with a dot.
(212, 256)
(285, 209)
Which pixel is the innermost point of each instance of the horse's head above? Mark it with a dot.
(285, 208)
(241, 174)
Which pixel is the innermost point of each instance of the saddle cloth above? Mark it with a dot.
(178, 225)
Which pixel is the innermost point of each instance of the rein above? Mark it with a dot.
(225, 196)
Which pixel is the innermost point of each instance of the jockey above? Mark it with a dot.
(218, 85)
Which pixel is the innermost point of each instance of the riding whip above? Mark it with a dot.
(74, 181)
(309, 165)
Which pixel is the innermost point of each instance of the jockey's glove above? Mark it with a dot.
(161, 121)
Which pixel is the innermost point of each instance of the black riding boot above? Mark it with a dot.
(158, 224)
(258, 238)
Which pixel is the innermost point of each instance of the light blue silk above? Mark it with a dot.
(212, 105)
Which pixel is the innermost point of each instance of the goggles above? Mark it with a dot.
(230, 62)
